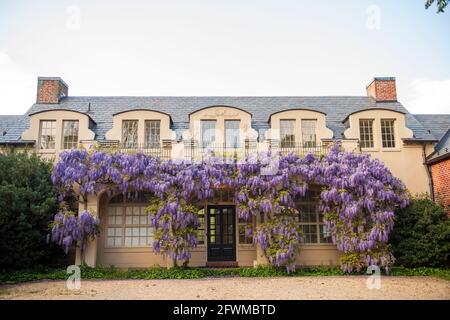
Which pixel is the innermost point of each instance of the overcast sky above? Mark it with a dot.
(228, 47)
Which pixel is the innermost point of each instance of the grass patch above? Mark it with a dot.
(200, 273)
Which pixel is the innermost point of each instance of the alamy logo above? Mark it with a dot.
(373, 21)
(374, 280)
(74, 280)
(73, 21)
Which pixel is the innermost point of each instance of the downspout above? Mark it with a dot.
(428, 169)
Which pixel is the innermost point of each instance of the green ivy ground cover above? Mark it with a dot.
(199, 273)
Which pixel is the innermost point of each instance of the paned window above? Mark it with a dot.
(287, 136)
(47, 134)
(366, 133)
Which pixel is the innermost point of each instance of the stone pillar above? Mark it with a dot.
(166, 149)
(90, 256)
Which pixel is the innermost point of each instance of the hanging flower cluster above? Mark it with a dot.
(280, 239)
(68, 230)
(358, 197)
(176, 226)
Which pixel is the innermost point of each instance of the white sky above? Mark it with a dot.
(224, 48)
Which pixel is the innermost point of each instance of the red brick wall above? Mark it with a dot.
(440, 172)
(383, 90)
(50, 91)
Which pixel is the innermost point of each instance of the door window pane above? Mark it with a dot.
(201, 228)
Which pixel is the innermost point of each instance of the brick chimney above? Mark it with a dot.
(51, 90)
(382, 89)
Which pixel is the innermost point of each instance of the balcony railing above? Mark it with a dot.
(162, 151)
(299, 148)
(194, 151)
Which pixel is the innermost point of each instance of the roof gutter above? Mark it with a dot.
(428, 170)
(439, 158)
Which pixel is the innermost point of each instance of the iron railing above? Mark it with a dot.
(162, 150)
(299, 149)
(195, 151)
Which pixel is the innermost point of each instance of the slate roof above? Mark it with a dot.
(11, 128)
(179, 108)
(442, 149)
(438, 124)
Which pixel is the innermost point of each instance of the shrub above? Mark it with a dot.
(421, 235)
(27, 205)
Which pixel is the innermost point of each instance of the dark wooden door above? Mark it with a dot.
(221, 233)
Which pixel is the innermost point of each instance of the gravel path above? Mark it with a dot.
(348, 287)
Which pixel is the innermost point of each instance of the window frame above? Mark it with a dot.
(63, 134)
(40, 134)
(363, 142)
(150, 230)
(148, 140)
(291, 142)
(308, 143)
(317, 223)
(385, 134)
(213, 141)
(135, 143)
(242, 223)
(238, 144)
(202, 227)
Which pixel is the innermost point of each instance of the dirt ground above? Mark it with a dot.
(348, 287)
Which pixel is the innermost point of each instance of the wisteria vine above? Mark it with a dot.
(358, 198)
(67, 229)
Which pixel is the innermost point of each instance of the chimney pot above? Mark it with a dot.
(382, 89)
(51, 90)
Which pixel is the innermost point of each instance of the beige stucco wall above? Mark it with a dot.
(98, 254)
(141, 115)
(318, 255)
(84, 133)
(406, 160)
(322, 132)
(220, 114)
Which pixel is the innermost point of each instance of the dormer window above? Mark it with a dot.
(387, 133)
(309, 133)
(232, 136)
(287, 136)
(70, 134)
(152, 133)
(366, 133)
(47, 134)
(208, 131)
(129, 133)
